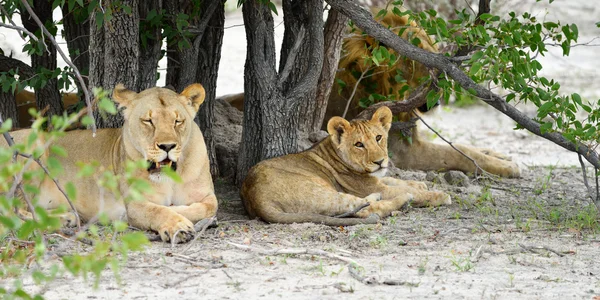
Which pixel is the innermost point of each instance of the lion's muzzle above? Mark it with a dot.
(158, 166)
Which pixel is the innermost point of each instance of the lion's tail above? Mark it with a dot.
(289, 218)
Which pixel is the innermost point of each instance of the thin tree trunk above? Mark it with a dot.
(209, 56)
(333, 36)
(47, 96)
(115, 55)
(77, 35)
(183, 53)
(8, 104)
(271, 100)
(150, 44)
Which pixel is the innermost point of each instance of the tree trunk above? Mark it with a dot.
(48, 95)
(334, 35)
(115, 54)
(271, 100)
(150, 42)
(77, 35)
(8, 104)
(183, 53)
(209, 57)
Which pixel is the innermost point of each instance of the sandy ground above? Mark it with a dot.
(527, 238)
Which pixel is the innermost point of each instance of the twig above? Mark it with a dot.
(477, 167)
(86, 92)
(362, 75)
(316, 252)
(353, 212)
(18, 28)
(585, 180)
(534, 248)
(207, 223)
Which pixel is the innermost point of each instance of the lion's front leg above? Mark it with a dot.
(395, 197)
(391, 181)
(205, 207)
(168, 223)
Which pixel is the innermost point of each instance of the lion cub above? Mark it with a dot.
(337, 175)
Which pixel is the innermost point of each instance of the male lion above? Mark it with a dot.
(337, 175)
(159, 127)
(394, 81)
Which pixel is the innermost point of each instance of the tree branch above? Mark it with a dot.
(86, 92)
(21, 29)
(364, 21)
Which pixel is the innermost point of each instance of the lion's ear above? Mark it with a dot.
(383, 116)
(194, 96)
(122, 95)
(336, 127)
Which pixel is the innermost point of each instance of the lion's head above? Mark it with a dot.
(384, 79)
(158, 122)
(362, 144)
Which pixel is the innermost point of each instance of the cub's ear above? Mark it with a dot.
(383, 116)
(336, 127)
(122, 95)
(194, 96)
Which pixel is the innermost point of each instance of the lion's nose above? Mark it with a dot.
(379, 162)
(166, 147)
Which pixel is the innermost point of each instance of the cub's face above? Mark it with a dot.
(362, 144)
(158, 122)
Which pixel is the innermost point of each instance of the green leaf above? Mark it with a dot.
(60, 151)
(108, 106)
(273, 8)
(135, 241)
(475, 68)
(71, 191)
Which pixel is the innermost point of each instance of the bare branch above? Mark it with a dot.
(21, 29)
(86, 92)
(585, 180)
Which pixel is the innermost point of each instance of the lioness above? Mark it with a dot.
(337, 175)
(159, 127)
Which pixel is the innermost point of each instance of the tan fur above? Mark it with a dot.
(337, 175)
(170, 207)
(26, 100)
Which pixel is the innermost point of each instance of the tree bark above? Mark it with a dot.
(115, 54)
(48, 95)
(364, 21)
(8, 104)
(334, 35)
(183, 53)
(271, 100)
(209, 56)
(150, 44)
(76, 25)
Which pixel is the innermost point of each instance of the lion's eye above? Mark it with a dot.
(148, 121)
(378, 137)
(359, 145)
(178, 122)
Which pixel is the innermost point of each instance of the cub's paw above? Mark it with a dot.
(68, 219)
(177, 229)
(419, 185)
(374, 197)
(443, 199)
(495, 154)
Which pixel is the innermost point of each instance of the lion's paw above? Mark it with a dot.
(374, 197)
(68, 219)
(445, 199)
(177, 229)
(418, 185)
